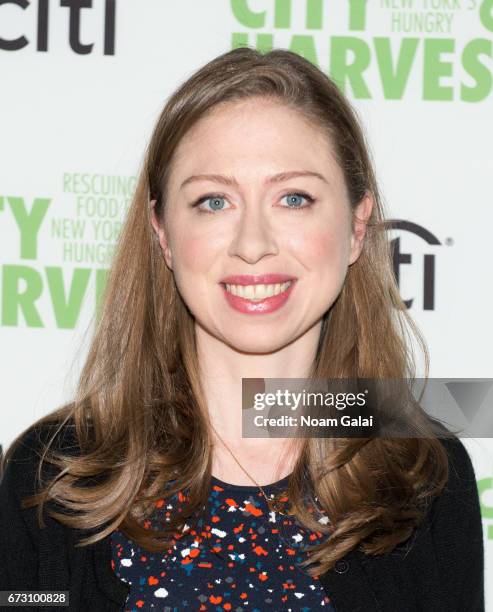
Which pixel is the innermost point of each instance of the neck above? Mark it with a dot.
(262, 466)
(221, 371)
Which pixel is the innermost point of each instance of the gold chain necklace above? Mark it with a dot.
(278, 503)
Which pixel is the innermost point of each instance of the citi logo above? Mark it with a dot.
(43, 15)
(400, 258)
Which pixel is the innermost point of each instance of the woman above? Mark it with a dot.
(254, 248)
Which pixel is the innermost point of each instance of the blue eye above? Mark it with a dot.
(217, 201)
(293, 198)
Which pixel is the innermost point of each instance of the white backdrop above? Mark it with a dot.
(81, 89)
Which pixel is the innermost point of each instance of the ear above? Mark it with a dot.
(360, 217)
(161, 235)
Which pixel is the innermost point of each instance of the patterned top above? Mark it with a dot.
(241, 557)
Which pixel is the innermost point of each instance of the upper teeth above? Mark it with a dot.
(257, 292)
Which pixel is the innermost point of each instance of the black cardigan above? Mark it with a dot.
(440, 568)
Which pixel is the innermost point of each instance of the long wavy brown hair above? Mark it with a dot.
(139, 416)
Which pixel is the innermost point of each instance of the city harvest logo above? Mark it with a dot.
(422, 52)
(38, 16)
(78, 232)
(400, 258)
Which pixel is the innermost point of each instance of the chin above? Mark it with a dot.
(254, 344)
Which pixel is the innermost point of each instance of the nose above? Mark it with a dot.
(254, 237)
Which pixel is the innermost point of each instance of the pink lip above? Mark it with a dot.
(256, 279)
(269, 304)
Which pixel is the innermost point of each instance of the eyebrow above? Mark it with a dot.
(232, 182)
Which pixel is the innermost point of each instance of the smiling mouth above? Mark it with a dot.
(257, 292)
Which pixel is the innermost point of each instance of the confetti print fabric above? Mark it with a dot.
(239, 557)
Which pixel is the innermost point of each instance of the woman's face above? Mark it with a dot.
(280, 209)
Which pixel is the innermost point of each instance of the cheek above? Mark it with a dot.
(189, 268)
(326, 258)
(324, 250)
(195, 254)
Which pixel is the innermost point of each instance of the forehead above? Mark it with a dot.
(252, 136)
